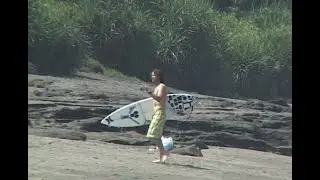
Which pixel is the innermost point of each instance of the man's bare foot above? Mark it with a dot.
(164, 158)
(156, 161)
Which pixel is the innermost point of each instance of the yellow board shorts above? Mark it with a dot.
(156, 126)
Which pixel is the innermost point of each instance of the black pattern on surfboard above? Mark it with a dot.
(181, 103)
(131, 115)
(109, 120)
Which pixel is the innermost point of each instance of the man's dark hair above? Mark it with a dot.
(159, 73)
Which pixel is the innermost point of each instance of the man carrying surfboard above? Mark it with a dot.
(156, 126)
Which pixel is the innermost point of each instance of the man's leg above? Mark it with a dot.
(156, 143)
(163, 154)
(155, 132)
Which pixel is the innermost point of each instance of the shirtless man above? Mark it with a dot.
(155, 130)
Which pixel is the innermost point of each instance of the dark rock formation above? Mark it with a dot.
(79, 104)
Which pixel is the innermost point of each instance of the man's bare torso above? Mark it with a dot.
(157, 92)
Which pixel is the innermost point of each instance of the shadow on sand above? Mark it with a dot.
(187, 166)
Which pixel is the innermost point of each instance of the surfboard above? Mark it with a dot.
(139, 113)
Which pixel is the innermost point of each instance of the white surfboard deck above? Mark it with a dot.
(139, 113)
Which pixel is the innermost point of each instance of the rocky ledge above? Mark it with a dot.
(72, 108)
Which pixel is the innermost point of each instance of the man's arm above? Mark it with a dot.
(161, 92)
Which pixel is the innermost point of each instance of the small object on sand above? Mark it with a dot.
(153, 149)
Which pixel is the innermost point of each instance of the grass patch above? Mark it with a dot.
(238, 47)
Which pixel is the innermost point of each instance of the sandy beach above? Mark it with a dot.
(55, 159)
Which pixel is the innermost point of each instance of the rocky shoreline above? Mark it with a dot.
(71, 108)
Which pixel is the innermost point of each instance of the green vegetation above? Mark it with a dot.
(219, 47)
